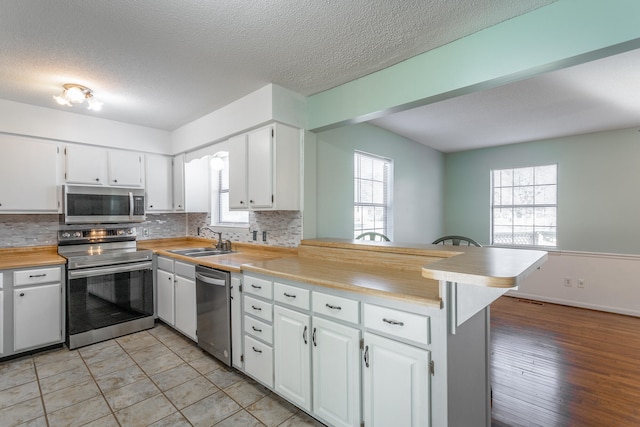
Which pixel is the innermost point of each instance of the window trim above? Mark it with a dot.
(493, 206)
(388, 190)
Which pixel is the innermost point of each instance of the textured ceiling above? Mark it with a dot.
(595, 96)
(165, 63)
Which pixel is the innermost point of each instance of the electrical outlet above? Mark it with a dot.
(581, 283)
(264, 236)
(145, 232)
(255, 235)
(567, 282)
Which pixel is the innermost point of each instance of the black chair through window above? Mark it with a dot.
(456, 241)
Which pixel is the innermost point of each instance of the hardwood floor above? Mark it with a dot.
(554, 365)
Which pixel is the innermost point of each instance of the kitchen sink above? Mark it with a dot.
(199, 252)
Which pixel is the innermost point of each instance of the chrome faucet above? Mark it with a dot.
(219, 244)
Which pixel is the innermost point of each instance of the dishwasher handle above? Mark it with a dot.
(211, 280)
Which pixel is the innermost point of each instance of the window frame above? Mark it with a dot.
(513, 206)
(386, 205)
(217, 192)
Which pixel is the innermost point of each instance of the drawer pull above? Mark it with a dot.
(333, 307)
(256, 308)
(289, 295)
(32, 276)
(393, 322)
(256, 329)
(256, 350)
(256, 286)
(366, 356)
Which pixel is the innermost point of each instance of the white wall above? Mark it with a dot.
(47, 123)
(611, 282)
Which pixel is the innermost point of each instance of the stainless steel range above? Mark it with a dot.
(109, 284)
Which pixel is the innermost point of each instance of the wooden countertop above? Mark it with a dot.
(32, 256)
(243, 252)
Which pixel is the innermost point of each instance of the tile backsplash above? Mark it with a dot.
(283, 228)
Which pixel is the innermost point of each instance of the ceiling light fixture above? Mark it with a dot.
(77, 94)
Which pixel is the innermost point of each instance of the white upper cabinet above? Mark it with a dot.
(125, 169)
(178, 183)
(99, 166)
(29, 175)
(264, 169)
(85, 165)
(158, 182)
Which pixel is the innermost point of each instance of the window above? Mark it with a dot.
(372, 196)
(220, 213)
(524, 206)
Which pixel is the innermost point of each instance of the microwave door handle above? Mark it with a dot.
(130, 204)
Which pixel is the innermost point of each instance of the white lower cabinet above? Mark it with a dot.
(292, 362)
(336, 373)
(165, 295)
(258, 360)
(36, 316)
(236, 321)
(176, 295)
(396, 383)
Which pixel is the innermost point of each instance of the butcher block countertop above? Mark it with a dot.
(411, 272)
(30, 256)
(244, 253)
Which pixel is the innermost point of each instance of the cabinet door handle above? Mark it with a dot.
(393, 322)
(256, 350)
(97, 179)
(366, 356)
(313, 337)
(289, 295)
(333, 307)
(31, 276)
(242, 202)
(256, 286)
(304, 335)
(21, 294)
(256, 329)
(256, 308)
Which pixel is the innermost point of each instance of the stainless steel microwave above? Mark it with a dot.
(99, 205)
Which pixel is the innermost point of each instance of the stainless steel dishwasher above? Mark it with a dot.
(214, 312)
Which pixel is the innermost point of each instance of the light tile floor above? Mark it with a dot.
(150, 378)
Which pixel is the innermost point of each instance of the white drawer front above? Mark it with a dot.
(291, 295)
(257, 308)
(258, 329)
(260, 287)
(336, 307)
(185, 270)
(258, 360)
(165, 264)
(33, 277)
(398, 323)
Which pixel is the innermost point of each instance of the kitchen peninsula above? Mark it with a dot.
(354, 331)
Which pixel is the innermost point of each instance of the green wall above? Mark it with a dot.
(598, 189)
(417, 189)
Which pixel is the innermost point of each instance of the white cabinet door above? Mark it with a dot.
(37, 316)
(396, 383)
(85, 165)
(236, 323)
(29, 175)
(185, 300)
(158, 182)
(260, 168)
(292, 362)
(125, 168)
(178, 183)
(165, 296)
(336, 373)
(238, 172)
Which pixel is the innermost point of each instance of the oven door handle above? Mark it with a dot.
(101, 271)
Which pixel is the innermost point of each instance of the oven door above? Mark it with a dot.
(100, 297)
